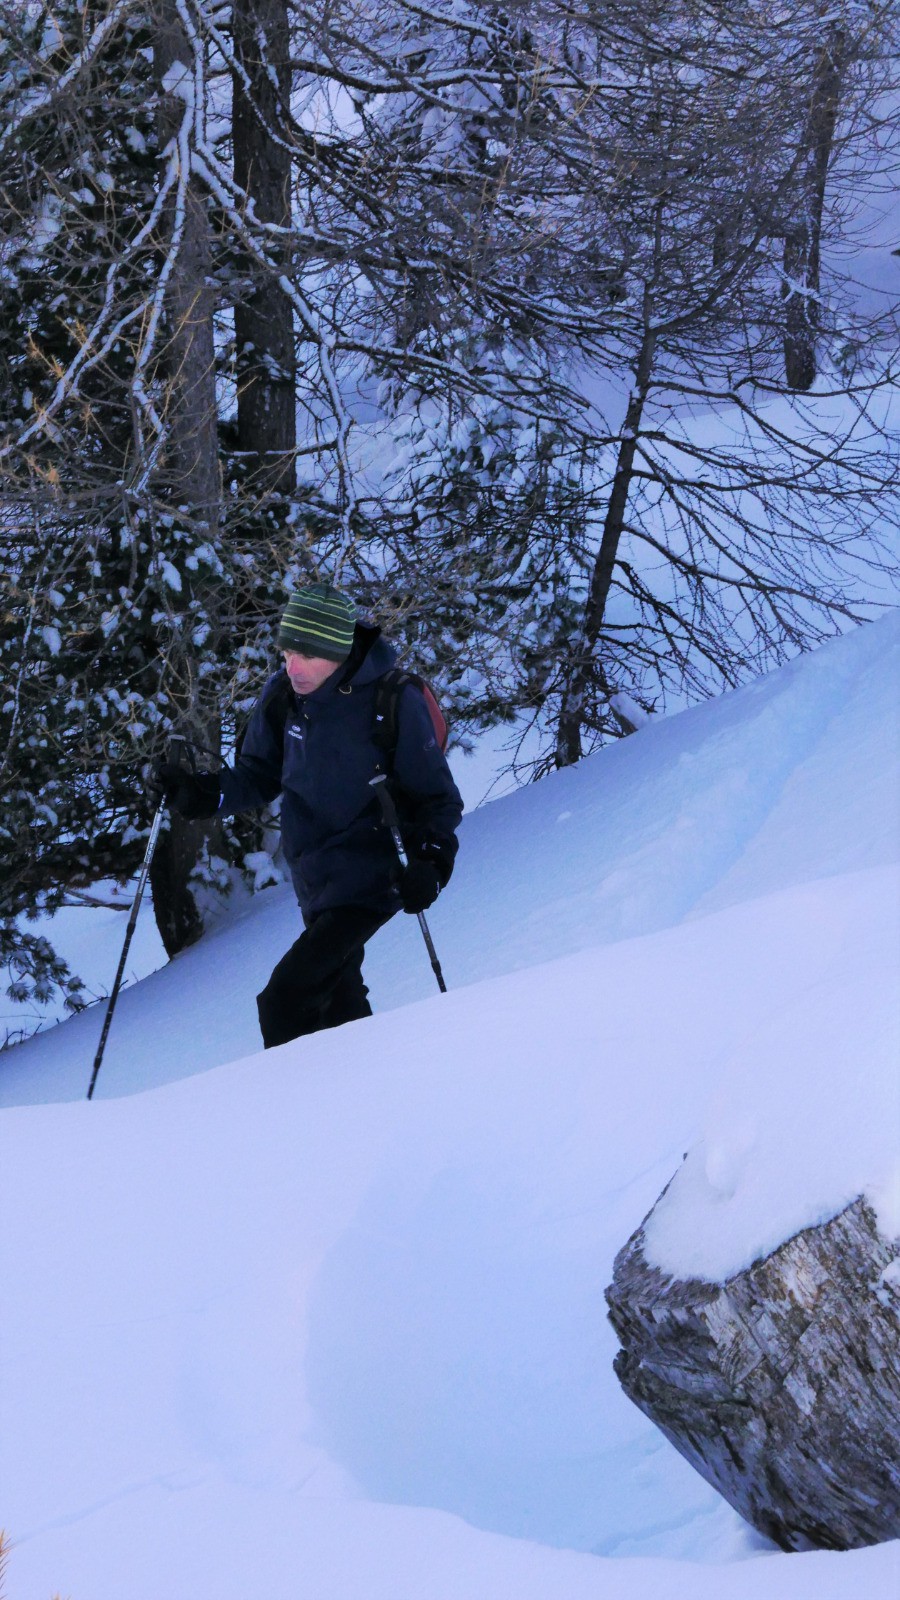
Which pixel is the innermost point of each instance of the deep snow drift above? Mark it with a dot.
(329, 1321)
(792, 779)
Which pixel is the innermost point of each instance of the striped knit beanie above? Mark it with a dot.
(318, 621)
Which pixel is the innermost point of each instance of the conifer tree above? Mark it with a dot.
(483, 313)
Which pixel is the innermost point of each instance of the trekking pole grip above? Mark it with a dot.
(389, 813)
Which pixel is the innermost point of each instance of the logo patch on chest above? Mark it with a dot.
(295, 733)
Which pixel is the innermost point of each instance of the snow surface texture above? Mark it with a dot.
(90, 940)
(792, 779)
(328, 1322)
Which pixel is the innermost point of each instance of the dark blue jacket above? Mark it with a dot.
(321, 760)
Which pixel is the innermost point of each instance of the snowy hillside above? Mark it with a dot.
(328, 1322)
(795, 778)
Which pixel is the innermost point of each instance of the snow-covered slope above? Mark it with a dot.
(794, 778)
(328, 1322)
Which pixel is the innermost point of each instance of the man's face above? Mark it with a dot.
(307, 673)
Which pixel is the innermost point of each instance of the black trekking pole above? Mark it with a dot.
(173, 753)
(389, 812)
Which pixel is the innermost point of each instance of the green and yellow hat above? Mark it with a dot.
(318, 621)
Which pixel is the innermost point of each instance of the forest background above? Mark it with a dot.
(538, 326)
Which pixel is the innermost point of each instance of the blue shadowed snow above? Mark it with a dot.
(328, 1320)
(691, 814)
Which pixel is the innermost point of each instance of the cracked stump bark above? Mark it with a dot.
(781, 1386)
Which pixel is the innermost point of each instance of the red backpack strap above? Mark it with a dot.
(439, 721)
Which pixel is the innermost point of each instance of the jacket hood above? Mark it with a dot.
(370, 657)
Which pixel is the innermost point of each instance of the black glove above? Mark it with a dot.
(439, 851)
(419, 886)
(193, 795)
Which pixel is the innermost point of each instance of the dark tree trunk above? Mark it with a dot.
(189, 469)
(177, 916)
(263, 322)
(571, 718)
(802, 245)
(191, 465)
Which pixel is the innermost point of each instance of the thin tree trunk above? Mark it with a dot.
(571, 718)
(263, 322)
(189, 469)
(802, 245)
(191, 465)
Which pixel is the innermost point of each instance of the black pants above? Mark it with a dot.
(319, 983)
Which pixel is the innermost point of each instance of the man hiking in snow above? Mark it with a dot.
(312, 739)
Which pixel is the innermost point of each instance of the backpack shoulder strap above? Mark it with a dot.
(387, 702)
(387, 699)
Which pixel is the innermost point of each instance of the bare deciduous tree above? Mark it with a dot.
(483, 312)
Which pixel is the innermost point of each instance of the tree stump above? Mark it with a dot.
(781, 1386)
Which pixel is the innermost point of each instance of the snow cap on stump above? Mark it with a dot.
(318, 621)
